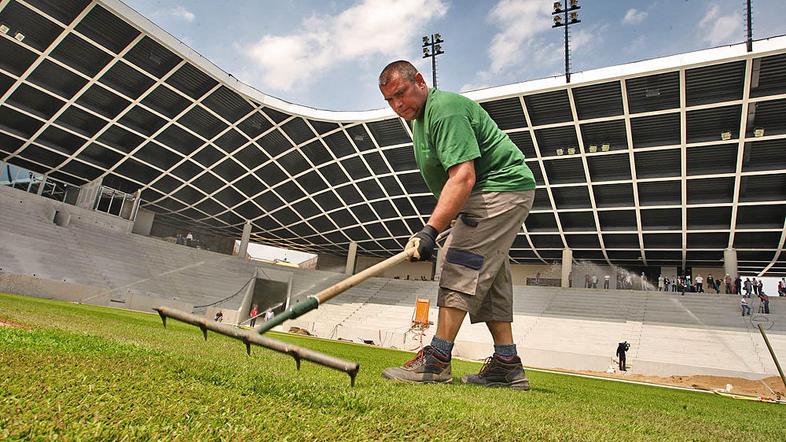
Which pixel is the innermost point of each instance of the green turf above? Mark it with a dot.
(77, 372)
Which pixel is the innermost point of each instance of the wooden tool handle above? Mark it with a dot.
(342, 286)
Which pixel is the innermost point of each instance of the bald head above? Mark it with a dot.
(402, 68)
(404, 89)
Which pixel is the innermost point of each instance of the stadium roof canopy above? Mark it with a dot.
(96, 90)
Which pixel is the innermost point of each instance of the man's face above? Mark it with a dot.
(406, 98)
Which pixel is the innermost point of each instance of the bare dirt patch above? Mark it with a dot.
(9, 323)
(770, 388)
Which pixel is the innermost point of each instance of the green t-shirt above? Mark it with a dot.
(454, 129)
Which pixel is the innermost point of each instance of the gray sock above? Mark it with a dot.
(444, 347)
(506, 351)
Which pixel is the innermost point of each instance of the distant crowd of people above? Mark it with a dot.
(747, 288)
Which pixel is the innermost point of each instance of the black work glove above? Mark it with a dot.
(424, 243)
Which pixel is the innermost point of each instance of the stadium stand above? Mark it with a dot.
(573, 329)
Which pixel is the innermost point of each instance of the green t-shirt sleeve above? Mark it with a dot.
(455, 140)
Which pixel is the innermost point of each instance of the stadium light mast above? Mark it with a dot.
(431, 48)
(748, 26)
(564, 17)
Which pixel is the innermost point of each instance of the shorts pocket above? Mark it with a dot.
(460, 271)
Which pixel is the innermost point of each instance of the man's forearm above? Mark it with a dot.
(452, 199)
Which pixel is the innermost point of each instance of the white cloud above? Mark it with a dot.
(717, 29)
(182, 13)
(520, 21)
(634, 16)
(370, 28)
(524, 42)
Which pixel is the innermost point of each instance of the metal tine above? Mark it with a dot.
(250, 337)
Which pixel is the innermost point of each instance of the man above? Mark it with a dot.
(478, 176)
(765, 302)
(622, 347)
(746, 309)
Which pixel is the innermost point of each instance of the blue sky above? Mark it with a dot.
(327, 54)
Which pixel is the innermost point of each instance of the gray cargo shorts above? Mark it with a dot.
(475, 269)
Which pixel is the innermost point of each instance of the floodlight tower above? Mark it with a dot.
(571, 17)
(748, 26)
(431, 48)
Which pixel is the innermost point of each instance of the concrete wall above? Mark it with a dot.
(405, 270)
(68, 291)
(520, 272)
(215, 243)
(14, 199)
(331, 263)
(416, 270)
(144, 222)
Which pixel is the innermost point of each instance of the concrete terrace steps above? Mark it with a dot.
(46, 253)
(663, 328)
(567, 328)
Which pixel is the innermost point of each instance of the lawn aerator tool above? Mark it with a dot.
(251, 337)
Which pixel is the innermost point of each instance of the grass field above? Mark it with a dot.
(76, 372)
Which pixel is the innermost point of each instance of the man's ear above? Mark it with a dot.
(419, 80)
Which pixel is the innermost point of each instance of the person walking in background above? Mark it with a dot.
(782, 287)
(660, 283)
(746, 309)
(737, 284)
(727, 281)
(594, 281)
(253, 314)
(710, 282)
(480, 179)
(747, 287)
(765, 302)
(754, 287)
(622, 347)
(699, 284)
(606, 280)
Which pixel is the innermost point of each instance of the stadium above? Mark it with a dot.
(131, 165)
